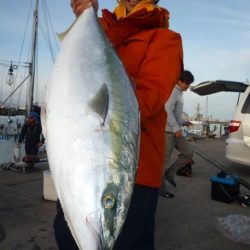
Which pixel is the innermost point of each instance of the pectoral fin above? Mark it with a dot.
(100, 103)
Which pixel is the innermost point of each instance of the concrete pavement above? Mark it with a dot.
(185, 222)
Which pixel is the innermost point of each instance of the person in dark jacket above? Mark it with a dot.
(31, 134)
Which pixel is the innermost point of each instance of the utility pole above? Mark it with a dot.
(207, 108)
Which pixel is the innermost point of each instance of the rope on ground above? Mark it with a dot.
(17, 167)
(219, 165)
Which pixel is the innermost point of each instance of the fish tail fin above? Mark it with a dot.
(61, 36)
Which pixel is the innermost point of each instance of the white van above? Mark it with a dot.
(238, 142)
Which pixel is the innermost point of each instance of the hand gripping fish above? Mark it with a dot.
(91, 125)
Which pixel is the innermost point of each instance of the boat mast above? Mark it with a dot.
(32, 66)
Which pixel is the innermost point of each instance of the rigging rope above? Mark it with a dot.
(46, 31)
(49, 35)
(21, 51)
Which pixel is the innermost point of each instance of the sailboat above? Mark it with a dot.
(31, 74)
(11, 118)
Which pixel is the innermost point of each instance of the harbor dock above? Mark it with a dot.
(184, 222)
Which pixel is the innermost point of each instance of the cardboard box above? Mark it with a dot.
(49, 192)
(225, 189)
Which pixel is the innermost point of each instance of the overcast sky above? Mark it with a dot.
(216, 42)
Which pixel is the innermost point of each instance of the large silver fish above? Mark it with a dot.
(91, 125)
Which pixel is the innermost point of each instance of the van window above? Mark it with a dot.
(246, 106)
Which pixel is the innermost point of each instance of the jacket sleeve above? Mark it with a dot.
(23, 133)
(158, 72)
(174, 108)
(170, 108)
(42, 139)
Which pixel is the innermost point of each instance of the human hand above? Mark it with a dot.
(79, 6)
(188, 123)
(178, 134)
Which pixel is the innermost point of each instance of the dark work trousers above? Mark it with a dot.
(138, 229)
(64, 238)
(31, 149)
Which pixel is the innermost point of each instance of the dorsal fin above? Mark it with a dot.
(100, 102)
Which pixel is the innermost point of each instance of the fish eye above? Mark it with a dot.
(108, 201)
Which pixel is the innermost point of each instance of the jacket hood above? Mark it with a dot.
(120, 11)
(120, 29)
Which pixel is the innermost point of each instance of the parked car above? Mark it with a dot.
(238, 141)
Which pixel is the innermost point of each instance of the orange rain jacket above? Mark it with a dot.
(152, 55)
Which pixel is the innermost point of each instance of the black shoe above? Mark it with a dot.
(167, 195)
(185, 171)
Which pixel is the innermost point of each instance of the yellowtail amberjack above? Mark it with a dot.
(91, 125)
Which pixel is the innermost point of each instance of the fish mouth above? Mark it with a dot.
(99, 230)
(94, 224)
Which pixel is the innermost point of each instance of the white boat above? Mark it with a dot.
(198, 128)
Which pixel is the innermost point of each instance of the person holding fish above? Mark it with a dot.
(153, 58)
